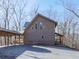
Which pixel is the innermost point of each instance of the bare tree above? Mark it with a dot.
(73, 31)
(34, 10)
(19, 16)
(6, 7)
(72, 11)
(71, 24)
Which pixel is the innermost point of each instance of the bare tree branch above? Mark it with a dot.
(73, 12)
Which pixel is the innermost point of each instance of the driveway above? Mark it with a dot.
(37, 52)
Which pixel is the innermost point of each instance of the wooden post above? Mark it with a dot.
(10, 39)
(15, 40)
(5, 39)
(1, 39)
(22, 39)
(59, 40)
(19, 39)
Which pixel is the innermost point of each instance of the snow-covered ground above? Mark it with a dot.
(37, 52)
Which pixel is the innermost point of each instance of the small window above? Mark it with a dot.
(35, 26)
(41, 25)
(32, 27)
(42, 37)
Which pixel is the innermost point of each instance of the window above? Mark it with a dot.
(35, 26)
(32, 27)
(41, 25)
(42, 36)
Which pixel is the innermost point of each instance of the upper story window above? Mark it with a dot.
(32, 27)
(41, 25)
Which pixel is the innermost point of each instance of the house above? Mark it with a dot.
(41, 30)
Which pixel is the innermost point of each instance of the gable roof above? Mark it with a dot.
(37, 15)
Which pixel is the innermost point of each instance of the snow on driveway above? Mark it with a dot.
(37, 52)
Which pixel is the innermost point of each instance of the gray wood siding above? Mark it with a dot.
(34, 36)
